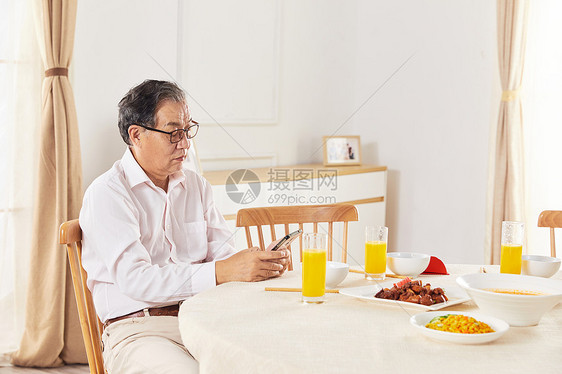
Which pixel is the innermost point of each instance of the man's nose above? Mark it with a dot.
(184, 143)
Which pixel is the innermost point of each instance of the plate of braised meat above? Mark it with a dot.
(411, 293)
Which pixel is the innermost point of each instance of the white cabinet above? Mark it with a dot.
(307, 184)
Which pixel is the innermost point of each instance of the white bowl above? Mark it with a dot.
(335, 273)
(407, 263)
(420, 320)
(539, 266)
(517, 310)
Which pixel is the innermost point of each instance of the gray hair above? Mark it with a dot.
(140, 104)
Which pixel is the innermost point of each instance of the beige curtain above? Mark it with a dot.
(507, 185)
(52, 333)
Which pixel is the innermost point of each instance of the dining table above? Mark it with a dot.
(240, 327)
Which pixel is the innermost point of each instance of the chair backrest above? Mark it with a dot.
(71, 235)
(286, 215)
(552, 219)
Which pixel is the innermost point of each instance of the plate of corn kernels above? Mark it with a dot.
(459, 327)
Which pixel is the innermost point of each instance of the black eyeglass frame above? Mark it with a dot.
(171, 133)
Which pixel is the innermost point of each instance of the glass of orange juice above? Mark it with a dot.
(513, 234)
(314, 268)
(376, 238)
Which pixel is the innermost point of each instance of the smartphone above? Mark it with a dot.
(287, 239)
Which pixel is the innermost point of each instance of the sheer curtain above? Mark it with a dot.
(506, 187)
(20, 106)
(543, 136)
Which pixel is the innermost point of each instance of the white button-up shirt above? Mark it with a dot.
(143, 247)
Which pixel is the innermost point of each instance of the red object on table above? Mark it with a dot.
(436, 266)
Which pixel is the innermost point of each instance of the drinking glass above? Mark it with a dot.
(314, 268)
(513, 234)
(375, 252)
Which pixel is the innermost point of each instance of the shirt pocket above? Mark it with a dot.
(192, 244)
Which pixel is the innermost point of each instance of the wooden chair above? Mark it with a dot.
(285, 215)
(92, 328)
(552, 219)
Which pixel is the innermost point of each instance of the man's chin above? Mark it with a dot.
(175, 167)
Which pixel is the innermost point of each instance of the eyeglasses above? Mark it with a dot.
(177, 135)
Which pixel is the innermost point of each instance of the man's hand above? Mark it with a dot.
(251, 265)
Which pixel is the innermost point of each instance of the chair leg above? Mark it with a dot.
(552, 243)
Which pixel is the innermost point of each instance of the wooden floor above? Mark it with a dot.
(69, 369)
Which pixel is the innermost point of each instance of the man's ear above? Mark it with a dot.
(134, 135)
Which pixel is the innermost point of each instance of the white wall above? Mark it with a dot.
(429, 124)
(112, 49)
(315, 87)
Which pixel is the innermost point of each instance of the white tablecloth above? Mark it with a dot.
(240, 328)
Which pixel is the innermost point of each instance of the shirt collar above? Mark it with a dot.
(135, 175)
(178, 177)
(133, 172)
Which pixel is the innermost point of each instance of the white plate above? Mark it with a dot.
(420, 320)
(456, 295)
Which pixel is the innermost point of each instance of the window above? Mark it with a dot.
(20, 104)
(542, 120)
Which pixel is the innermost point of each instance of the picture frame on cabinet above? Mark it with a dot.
(342, 150)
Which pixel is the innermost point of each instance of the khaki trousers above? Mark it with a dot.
(146, 345)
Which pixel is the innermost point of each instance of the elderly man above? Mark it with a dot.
(153, 237)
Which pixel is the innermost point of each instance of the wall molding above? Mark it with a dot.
(271, 120)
